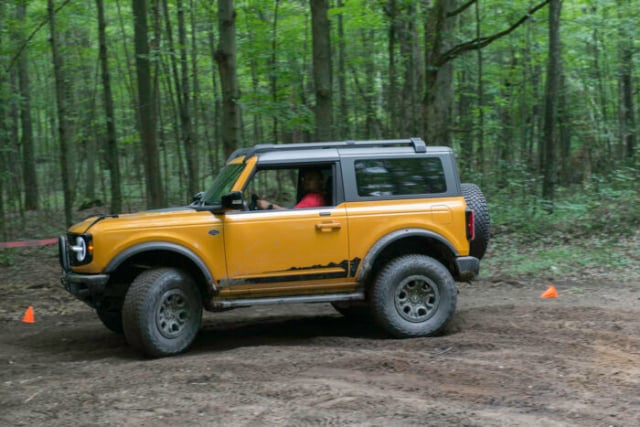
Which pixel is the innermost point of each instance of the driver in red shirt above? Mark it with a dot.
(312, 180)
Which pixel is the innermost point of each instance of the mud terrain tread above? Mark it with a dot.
(138, 312)
(383, 294)
(475, 200)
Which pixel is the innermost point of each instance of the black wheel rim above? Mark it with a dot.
(174, 313)
(416, 298)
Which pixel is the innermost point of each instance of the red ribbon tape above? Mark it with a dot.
(26, 243)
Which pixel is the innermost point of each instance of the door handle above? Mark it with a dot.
(328, 226)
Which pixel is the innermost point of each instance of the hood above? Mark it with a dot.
(156, 218)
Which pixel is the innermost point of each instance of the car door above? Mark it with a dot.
(287, 251)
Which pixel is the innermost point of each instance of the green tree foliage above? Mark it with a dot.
(496, 111)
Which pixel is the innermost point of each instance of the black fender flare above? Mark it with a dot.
(163, 246)
(381, 244)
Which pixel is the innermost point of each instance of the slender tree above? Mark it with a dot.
(322, 69)
(554, 68)
(215, 114)
(112, 156)
(61, 103)
(273, 70)
(30, 178)
(4, 139)
(226, 58)
(188, 137)
(343, 128)
(628, 129)
(480, 96)
(146, 107)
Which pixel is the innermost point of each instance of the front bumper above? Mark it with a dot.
(468, 268)
(88, 288)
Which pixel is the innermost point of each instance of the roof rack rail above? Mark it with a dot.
(417, 143)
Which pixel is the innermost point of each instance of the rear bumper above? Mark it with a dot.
(468, 268)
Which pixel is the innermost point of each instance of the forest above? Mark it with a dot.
(136, 104)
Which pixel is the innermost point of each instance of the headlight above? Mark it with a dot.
(81, 248)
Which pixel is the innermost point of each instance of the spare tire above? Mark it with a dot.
(476, 202)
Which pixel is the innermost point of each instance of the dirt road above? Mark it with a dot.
(508, 359)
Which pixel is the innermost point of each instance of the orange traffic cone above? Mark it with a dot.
(551, 292)
(28, 316)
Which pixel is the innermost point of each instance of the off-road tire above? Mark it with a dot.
(476, 201)
(413, 296)
(162, 312)
(111, 318)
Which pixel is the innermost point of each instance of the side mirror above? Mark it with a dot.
(233, 200)
(197, 198)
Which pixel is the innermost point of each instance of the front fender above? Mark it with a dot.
(163, 246)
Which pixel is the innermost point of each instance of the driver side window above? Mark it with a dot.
(275, 185)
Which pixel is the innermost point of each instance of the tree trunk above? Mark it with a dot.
(4, 139)
(215, 119)
(185, 112)
(566, 174)
(30, 178)
(322, 69)
(146, 108)
(343, 127)
(61, 103)
(394, 119)
(273, 70)
(438, 97)
(197, 103)
(410, 58)
(255, 80)
(479, 162)
(628, 130)
(112, 157)
(226, 59)
(554, 68)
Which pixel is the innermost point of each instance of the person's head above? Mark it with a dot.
(312, 180)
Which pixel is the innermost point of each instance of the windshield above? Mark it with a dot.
(222, 184)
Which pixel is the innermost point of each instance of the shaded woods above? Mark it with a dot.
(133, 104)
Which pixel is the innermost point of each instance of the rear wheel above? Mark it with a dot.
(162, 312)
(413, 296)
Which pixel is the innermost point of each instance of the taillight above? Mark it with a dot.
(471, 228)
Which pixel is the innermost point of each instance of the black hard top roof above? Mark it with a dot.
(417, 143)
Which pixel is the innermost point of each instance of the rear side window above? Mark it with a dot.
(400, 177)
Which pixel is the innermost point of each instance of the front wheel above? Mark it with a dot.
(111, 317)
(162, 312)
(413, 296)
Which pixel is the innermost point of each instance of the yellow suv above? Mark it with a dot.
(387, 230)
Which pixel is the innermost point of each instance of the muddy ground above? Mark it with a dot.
(508, 359)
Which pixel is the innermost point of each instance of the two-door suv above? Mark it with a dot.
(394, 230)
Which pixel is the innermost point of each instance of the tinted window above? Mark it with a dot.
(397, 177)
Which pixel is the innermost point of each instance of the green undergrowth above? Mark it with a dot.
(509, 256)
(590, 227)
